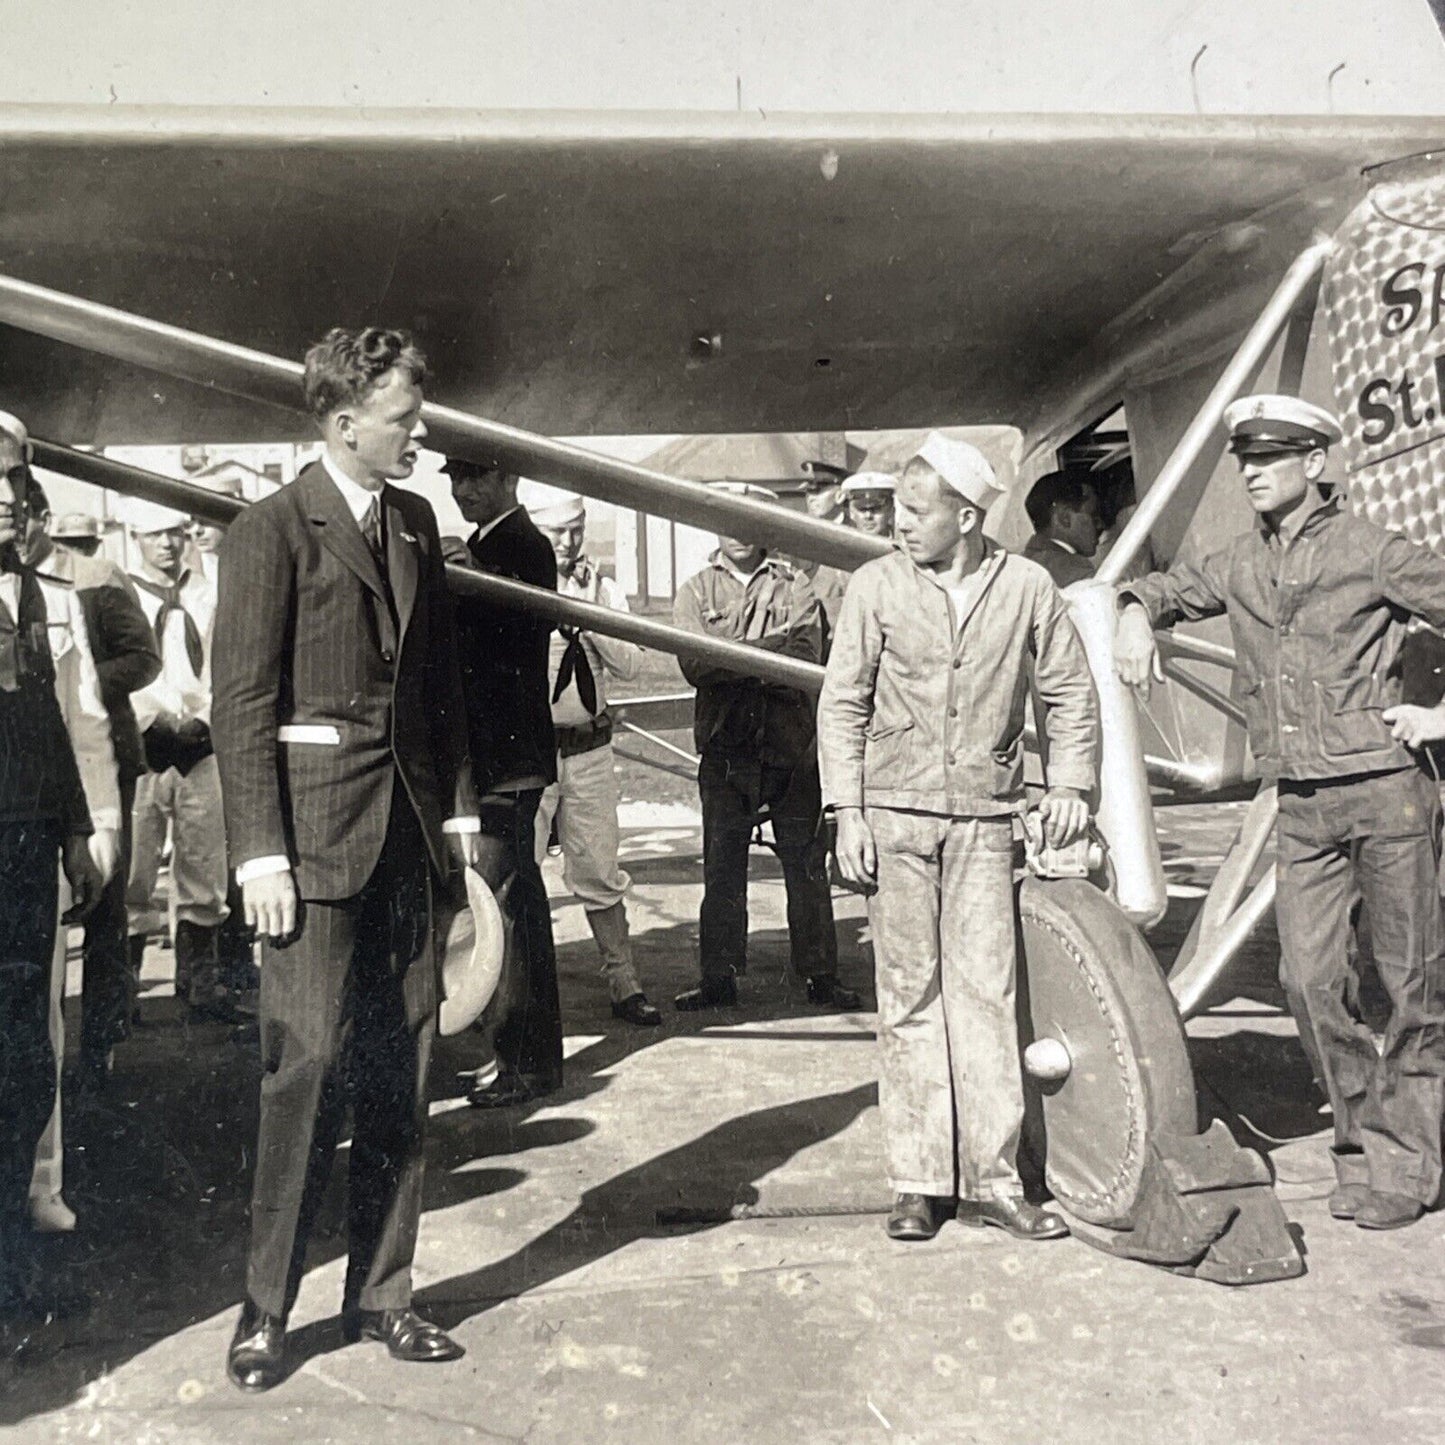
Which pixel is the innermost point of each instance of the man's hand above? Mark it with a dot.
(1136, 653)
(82, 875)
(1416, 726)
(466, 848)
(270, 903)
(855, 850)
(1065, 816)
(104, 850)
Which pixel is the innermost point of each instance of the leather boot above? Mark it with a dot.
(609, 929)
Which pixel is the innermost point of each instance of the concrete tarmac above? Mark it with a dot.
(585, 1319)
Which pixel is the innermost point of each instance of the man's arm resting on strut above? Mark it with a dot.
(1188, 592)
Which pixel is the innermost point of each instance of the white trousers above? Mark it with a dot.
(584, 801)
(191, 805)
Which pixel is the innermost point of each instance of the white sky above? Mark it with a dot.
(1259, 56)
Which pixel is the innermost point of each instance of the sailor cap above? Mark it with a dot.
(962, 468)
(144, 517)
(550, 506)
(1272, 423)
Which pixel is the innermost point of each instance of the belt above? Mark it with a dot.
(585, 738)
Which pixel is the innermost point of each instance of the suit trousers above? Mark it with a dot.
(737, 795)
(525, 1014)
(1380, 835)
(107, 988)
(29, 908)
(951, 1085)
(348, 1015)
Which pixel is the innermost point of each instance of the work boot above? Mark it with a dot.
(1015, 1216)
(1383, 1210)
(915, 1217)
(1345, 1200)
(824, 989)
(710, 993)
(609, 929)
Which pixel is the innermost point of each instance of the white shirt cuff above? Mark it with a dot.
(263, 867)
(466, 824)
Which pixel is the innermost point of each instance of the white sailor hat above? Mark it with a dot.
(1272, 423)
(14, 428)
(962, 468)
(550, 506)
(869, 482)
(76, 526)
(745, 489)
(143, 517)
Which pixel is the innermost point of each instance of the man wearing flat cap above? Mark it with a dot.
(759, 761)
(920, 728)
(1318, 602)
(583, 800)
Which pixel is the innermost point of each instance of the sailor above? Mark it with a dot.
(583, 801)
(1318, 601)
(868, 503)
(920, 728)
(759, 762)
(823, 501)
(183, 786)
(1064, 509)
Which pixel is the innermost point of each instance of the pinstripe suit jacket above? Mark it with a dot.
(363, 681)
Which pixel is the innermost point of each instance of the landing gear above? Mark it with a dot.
(1111, 1109)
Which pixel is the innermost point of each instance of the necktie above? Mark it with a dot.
(171, 602)
(575, 663)
(371, 530)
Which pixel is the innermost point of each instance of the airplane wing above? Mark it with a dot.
(616, 273)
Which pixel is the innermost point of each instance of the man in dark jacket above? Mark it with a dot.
(43, 816)
(1064, 509)
(1318, 601)
(759, 762)
(127, 658)
(504, 654)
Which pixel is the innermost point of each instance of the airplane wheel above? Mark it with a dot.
(1105, 1066)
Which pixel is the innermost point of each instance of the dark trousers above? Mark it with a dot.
(108, 989)
(736, 797)
(29, 909)
(348, 1015)
(525, 1014)
(1380, 835)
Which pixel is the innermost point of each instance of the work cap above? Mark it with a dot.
(144, 517)
(822, 474)
(869, 482)
(963, 468)
(462, 467)
(745, 489)
(1270, 423)
(550, 506)
(76, 527)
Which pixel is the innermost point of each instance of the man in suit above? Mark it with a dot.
(1064, 509)
(127, 658)
(339, 728)
(43, 817)
(504, 655)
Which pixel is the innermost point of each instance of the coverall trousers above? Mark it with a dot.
(1379, 834)
(950, 1088)
(736, 796)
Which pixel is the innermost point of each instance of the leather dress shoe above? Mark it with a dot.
(257, 1358)
(1020, 1218)
(1345, 1200)
(826, 990)
(635, 1009)
(710, 993)
(405, 1334)
(509, 1089)
(1382, 1210)
(915, 1216)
